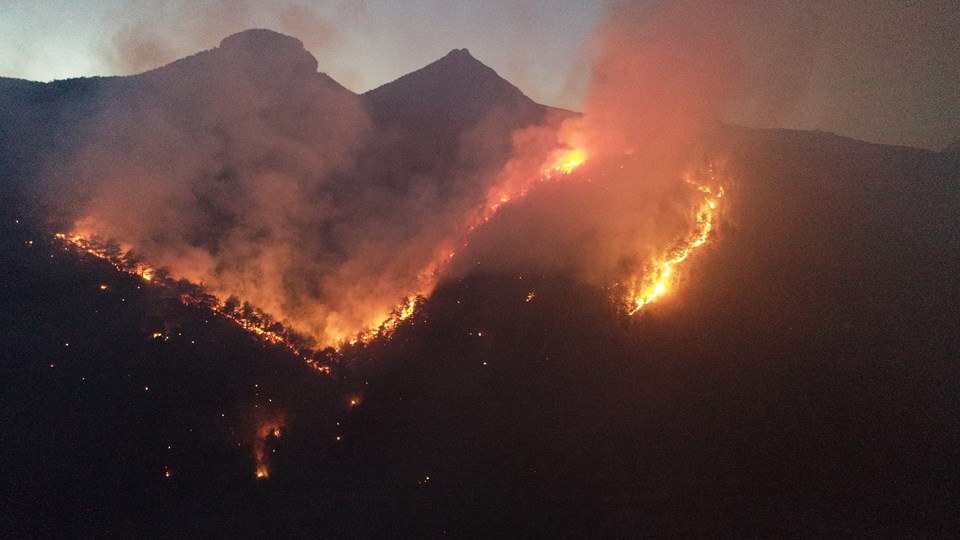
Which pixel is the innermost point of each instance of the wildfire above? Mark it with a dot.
(657, 282)
(560, 163)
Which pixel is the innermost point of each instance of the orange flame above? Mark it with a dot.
(658, 282)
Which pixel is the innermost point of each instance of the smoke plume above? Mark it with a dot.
(661, 75)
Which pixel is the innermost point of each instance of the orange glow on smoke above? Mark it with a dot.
(560, 162)
(382, 325)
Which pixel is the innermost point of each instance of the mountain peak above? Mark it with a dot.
(267, 47)
(258, 39)
(461, 59)
(457, 80)
(460, 53)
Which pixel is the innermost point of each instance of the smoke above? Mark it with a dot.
(661, 75)
(662, 72)
(878, 71)
(245, 170)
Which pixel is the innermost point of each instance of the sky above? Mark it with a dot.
(881, 71)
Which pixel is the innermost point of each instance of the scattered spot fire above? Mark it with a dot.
(268, 431)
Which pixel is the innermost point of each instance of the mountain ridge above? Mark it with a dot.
(451, 88)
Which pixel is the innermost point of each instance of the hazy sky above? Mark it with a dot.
(883, 71)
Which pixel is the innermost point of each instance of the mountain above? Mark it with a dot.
(800, 380)
(235, 154)
(433, 118)
(255, 81)
(456, 90)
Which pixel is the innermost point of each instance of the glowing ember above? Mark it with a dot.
(657, 282)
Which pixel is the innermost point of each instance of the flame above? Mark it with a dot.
(566, 161)
(658, 282)
(257, 323)
(561, 161)
(389, 324)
